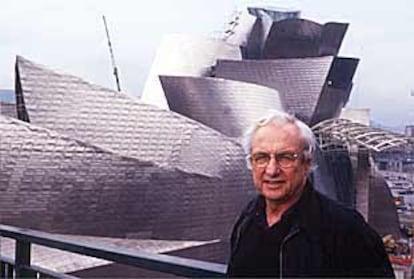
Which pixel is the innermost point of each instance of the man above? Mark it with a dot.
(291, 230)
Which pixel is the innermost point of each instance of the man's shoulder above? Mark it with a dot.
(251, 207)
(336, 216)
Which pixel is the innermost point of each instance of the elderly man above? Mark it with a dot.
(291, 230)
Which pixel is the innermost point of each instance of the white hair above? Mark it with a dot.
(280, 117)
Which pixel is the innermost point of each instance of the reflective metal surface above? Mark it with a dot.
(299, 81)
(239, 29)
(54, 183)
(225, 105)
(337, 89)
(303, 38)
(184, 55)
(276, 14)
(104, 164)
(117, 122)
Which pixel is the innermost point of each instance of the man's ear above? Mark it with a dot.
(307, 163)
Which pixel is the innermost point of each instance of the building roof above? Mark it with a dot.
(342, 131)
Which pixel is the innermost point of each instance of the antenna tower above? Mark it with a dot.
(112, 55)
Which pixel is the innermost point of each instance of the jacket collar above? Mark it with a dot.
(308, 212)
(304, 214)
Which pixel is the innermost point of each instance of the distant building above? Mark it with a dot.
(362, 116)
(409, 130)
(397, 160)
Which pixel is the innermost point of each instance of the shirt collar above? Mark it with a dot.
(293, 213)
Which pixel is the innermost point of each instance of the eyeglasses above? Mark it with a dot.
(284, 159)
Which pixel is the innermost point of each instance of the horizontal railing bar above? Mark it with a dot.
(156, 262)
(6, 260)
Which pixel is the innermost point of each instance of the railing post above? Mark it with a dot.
(2, 269)
(22, 259)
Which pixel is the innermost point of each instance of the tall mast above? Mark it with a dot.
(112, 56)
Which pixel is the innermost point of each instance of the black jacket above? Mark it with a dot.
(325, 240)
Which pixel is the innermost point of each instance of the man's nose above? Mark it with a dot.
(272, 167)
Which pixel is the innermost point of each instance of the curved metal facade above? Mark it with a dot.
(299, 81)
(314, 89)
(184, 55)
(292, 38)
(225, 105)
(337, 89)
(52, 182)
(116, 122)
(99, 153)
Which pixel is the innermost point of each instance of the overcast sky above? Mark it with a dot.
(69, 36)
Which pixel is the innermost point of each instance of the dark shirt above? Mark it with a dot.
(258, 255)
(316, 237)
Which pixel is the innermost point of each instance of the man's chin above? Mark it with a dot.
(273, 188)
(273, 194)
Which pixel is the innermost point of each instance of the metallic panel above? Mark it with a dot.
(184, 55)
(225, 105)
(154, 172)
(337, 89)
(239, 29)
(114, 121)
(382, 214)
(330, 103)
(339, 168)
(51, 182)
(276, 14)
(299, 80)
(257, 38)
(249, 29)
(292, 38)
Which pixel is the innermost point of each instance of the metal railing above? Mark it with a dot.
(21, 267)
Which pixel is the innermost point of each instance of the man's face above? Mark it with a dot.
(275, 183)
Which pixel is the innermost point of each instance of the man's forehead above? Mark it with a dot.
(284, 134)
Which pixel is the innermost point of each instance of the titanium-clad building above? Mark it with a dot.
(313, 88)
(100, 153)
(115, 121)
